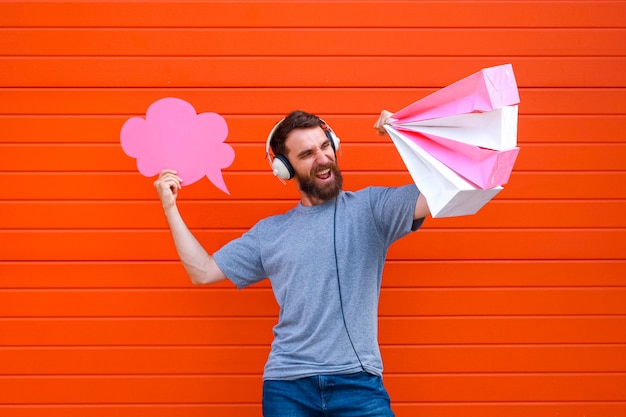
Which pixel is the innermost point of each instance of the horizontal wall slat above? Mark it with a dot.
(263, 185)
(514, 387)
(131, 331)
(254, 128)
(68, 42)
(322, 101)
(504, 359)
(427, 244)
(506, 329)
(220, 389)
(151, 360)
(354, 157)
(258, 331)
(261, 303)
(166, 303)
(133, 215)
(336, 14)
(131, 390)
(397, 274)
(410, 274)
(514, 409)
(519, 301)
(122, 410)
(250, 360)
(271, 72)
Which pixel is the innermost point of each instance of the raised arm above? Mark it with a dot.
(421, 207)
(198, 263)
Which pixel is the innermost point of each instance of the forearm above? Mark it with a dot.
(198, 263)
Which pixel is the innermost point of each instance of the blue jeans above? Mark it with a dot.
(352, 395)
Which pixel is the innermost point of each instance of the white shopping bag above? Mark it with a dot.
(495, 129)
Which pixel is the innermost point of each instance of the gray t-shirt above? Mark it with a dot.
(325, 264)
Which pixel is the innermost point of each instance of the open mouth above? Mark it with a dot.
(323, 174)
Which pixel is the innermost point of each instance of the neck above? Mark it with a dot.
(309, 200)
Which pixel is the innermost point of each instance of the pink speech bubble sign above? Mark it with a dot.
(174, 136)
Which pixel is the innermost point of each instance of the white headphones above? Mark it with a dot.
(280, 164)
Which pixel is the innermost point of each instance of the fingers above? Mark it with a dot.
(167, 185)
(168, 173)
(383, 119)
(168, 178)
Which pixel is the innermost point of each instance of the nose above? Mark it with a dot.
(322, 157)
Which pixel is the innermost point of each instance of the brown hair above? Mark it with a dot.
(297, 119)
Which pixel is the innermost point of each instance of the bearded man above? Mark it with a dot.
(324, 258)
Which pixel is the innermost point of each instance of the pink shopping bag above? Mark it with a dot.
(494, 129)
(488, 89)
(485, 168)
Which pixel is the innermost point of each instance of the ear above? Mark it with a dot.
(282, 167)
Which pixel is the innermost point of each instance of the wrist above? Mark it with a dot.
(170, 209)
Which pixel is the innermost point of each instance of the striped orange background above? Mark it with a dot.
(517, 311)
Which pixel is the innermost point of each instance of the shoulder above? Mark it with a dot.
(381, 193)
(274, 221)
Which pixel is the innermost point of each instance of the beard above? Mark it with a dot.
(308, 184)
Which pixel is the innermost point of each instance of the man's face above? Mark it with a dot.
(313, 159)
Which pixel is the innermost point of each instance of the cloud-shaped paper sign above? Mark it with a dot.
(174, 136)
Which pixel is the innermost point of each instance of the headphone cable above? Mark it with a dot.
(343, 314)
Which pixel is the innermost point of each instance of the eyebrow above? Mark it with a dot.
(310, 150)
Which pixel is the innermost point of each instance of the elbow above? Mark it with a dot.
(197, 280)
(196, 275)
(205, 273)
(204, 278)
(200, 279)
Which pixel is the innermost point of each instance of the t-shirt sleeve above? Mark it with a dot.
(240, 260)
(394, 209)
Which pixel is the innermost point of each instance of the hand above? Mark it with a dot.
(383, 119)
(167, 185)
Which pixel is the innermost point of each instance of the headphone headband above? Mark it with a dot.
(269, 137)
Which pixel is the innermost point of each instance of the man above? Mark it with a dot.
(324, 258)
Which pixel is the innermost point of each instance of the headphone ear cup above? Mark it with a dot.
(282, 168)
(334, 140)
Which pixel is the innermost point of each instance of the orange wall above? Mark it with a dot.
(519, 310)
